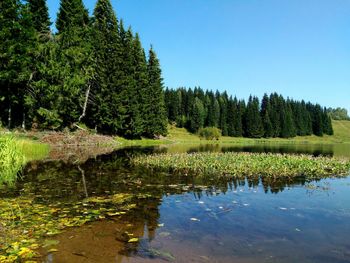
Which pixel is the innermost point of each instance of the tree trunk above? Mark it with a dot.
(87, 94)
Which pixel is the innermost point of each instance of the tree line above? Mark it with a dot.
(92, 71)
(273, 116)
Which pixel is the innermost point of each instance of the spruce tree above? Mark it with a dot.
(155, 118)
(138, 109)
(223, 114)
(75, 57)
(17, 42)
(197, 118)
(106, 112)
(287, 122)
(274, 114)
(253, 123)
(40, 16)
(71, 14)
(265, 110)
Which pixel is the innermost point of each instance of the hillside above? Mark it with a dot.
(341, 135)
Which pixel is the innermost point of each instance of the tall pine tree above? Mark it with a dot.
(155, 114)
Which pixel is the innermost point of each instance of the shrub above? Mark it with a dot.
(210, 133)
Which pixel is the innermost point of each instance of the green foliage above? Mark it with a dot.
(11, 160)
(71, 14)
(40, 15)
(197, 116)
(49, 119)
(274, 117)
(17, 42)
(210, 133)
(338, 114)
(241, 165)
(252, 120)
(154, 106)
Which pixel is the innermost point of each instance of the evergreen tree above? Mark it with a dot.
(197, 118)
(71, 14)
(75, 57)
(274, 114)
(107, 112)
(40, 16)
(156, 121)
(231, 115)
(287, 122)
(265, 109)
(223, 113)
(317, 119)
(327, 123)
(253, 123)
(17, 42)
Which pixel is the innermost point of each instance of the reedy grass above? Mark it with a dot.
(240, 165)
(12, 160)
(15, 153)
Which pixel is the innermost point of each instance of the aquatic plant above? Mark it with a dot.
(25, 223)
(11, 159)
(240, 165)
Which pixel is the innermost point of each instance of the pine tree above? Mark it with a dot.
(17, 42)
(265, 109)
(327, 123)
(287, 122)
(317, 119)
(197, 118)
(75, 57)
(71, 14)
(274, 114)
(107, 112)
(40, 16)
(156, 121)
(223, 114)
(253, 123)
(231, 115)
(134, 92)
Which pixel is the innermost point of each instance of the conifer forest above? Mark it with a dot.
(93, 71)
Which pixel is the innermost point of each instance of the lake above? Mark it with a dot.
(178, 218)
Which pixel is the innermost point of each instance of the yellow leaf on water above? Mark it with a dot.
(133, 240)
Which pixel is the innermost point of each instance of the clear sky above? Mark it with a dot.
(299, 48)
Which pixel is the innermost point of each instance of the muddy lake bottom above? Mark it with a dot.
(190, 219)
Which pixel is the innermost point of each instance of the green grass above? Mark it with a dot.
(15, 153)
(33, 150)
(341, 135)
(12, 160)
(142, 142)
(240, 165)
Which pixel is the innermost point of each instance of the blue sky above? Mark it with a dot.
(299, 48)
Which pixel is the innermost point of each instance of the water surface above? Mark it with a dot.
(186, 219)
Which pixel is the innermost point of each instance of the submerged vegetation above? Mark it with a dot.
(24, 222)
(246, 164)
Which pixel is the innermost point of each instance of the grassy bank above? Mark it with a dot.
(240, 165)
(14, 153)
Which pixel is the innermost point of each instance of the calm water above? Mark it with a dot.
(186, 219)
